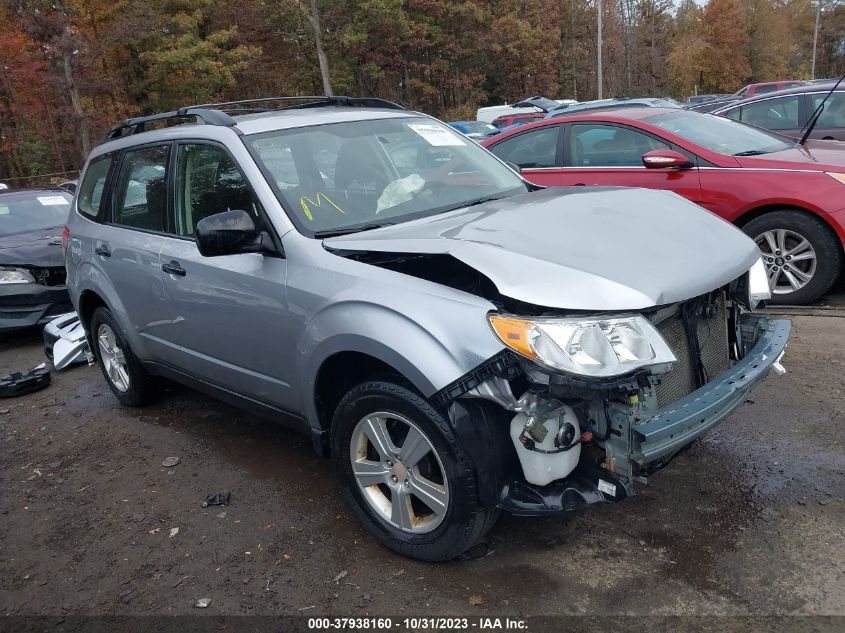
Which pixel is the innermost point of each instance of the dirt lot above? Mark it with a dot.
(748, 521)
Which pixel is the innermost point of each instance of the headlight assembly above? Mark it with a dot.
(16, 276)
(599, 347)
(758, 284)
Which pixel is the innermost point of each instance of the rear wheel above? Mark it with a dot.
(802, 256)
(404, 473)
(123, 372)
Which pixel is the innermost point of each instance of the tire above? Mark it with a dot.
(133, 386)
(787, 228)
(429, 535)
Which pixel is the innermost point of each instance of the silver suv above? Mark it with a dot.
(459, 341)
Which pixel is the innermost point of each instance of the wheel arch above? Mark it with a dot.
(757, 212)
(343, 370)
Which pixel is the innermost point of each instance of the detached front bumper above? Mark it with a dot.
(679, 423)
(27, 305)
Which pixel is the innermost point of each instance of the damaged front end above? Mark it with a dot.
(581, 406)
(31, 295)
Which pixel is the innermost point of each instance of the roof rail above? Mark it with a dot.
(137, 125)
(312, 102)
(216, 113)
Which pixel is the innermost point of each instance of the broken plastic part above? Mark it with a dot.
(65, 342)
(22, 382)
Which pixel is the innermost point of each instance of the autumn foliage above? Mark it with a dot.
(69, 69)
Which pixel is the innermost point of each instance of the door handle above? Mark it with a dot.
(173, 268)
(103, 250)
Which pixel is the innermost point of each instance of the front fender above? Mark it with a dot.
(431, 351)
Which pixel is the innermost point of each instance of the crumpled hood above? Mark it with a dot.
(41, 248)
(580, 248)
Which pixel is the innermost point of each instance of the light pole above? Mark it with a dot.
(598, 47)
(816, 37)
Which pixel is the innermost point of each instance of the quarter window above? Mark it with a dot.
(772, 114)
(141, 199)
(91, 190)
(535, 149)
(609, 146)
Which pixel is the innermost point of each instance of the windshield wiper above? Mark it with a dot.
(349, 229)
(814, 118)
(751, 152)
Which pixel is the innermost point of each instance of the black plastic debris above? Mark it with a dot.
(19, 383)
(217, 499)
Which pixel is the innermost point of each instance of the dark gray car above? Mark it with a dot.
(457, 341)
(788, 111)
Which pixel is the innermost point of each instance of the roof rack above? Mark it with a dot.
(218, 113)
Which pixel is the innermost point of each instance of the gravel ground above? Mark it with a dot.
(748, 521)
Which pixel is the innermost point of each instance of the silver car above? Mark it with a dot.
(459, 341)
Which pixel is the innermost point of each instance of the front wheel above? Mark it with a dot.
(404, 473)
(802, 256)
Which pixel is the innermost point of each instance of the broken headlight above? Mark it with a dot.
(599, 346)
(15, 276)
(758, 284)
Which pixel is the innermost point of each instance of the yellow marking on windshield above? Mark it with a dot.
(317, 202)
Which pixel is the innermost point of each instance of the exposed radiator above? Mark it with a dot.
(714, 345)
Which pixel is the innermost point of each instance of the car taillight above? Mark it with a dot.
(65, 239)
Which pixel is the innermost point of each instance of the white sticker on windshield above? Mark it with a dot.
(436, 134)
(52, 201)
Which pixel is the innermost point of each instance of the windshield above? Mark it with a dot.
(720, 135)
(341, 176)
(26, 211)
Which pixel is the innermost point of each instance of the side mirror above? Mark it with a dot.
(663, 158)
(514, 166)
(226, 233)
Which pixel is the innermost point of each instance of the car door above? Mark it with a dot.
(608, 154)
(227, 323)
(831, 123)
(126, 247)
(536, 152)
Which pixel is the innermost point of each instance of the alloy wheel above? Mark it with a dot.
(790, 259)
(113, 358)
(399, 472)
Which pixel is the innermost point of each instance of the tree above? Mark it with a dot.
(725, 67)
(312, 15)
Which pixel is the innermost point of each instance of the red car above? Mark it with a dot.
(789, 198)
(507, 120)
(753, 90)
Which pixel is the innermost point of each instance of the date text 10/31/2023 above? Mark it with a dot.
(478, 623)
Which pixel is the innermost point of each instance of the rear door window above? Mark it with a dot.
(531, 150)
(781, 113)
(141, 194)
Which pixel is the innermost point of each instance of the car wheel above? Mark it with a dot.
(405, 474)
(123, 372)
(802, 256)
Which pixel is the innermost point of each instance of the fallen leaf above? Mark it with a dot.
(173, 532)
(476, 600)
(154, 531)
(340, 576)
